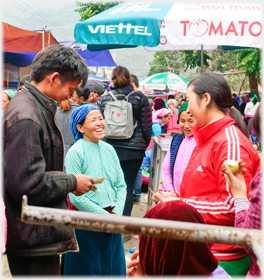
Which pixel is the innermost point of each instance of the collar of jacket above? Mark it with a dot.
(125, 89)
(204, 134)
(48, 103)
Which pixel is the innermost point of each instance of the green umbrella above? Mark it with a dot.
(163, 81)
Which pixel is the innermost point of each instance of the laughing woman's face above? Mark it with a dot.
(93, 127)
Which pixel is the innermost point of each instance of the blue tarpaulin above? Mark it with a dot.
(19, 59)
(92, 59)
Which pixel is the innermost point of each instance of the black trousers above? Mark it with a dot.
(130, 169)
(39, 266)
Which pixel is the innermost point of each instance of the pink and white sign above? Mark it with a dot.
(211, 23)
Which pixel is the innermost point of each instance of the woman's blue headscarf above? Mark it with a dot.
(77, 116)
(10, 93)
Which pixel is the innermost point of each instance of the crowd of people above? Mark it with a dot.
(55, 149)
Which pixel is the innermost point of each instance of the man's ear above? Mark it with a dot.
(207, 99)
(82, 98)
(79, 127)
(53, 78)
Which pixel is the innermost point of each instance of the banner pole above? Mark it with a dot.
(202, 56)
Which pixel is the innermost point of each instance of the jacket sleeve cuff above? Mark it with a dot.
(73, 183)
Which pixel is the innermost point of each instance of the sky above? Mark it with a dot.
(34, 15)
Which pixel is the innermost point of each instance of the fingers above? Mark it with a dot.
(92, 180)
(172, 198)
(133, 263)
(130, 271)
(134, 255)
(226, 170)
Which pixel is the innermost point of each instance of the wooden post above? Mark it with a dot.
(43, 37)
(7, 79)
(49, 38)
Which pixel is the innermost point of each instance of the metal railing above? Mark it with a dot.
(146, 227)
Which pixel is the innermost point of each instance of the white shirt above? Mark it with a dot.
(251, 108)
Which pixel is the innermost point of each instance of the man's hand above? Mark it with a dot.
(84, 184)
(236, 181)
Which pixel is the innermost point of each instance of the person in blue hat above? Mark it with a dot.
(101, 253)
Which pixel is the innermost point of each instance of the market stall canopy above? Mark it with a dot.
(98, 79)
(97, 58)
(17, 40)
(19, 59)
(175, 25)
(98, 82)
(92, 59)
(165, 81)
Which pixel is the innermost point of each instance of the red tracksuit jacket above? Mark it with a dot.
(203, 184)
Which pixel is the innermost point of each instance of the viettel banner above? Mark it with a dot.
(125, 24)
(236, 23)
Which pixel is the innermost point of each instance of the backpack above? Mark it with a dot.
(119, 118)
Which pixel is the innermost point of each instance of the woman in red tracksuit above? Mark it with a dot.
(220, 134)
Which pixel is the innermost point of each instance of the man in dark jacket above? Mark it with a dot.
(33, 162)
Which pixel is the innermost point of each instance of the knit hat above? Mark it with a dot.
(159, 114)
(171, 105)
(10, 93)
(183, 107)
(242, 96)
(253, 97)
(247, 98)
(77, 116)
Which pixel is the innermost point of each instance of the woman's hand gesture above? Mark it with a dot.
(236, 181)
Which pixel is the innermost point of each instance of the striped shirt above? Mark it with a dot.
(98, 160)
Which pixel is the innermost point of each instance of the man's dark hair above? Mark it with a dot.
(91, 88)
(234, 95)
(85, 92)
(134, 79)
(61, 59)
(26, 78)
(99, 90)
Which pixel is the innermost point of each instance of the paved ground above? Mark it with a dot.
(5, 268)
(138, 211)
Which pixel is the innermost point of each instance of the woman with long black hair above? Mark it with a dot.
(220, 134)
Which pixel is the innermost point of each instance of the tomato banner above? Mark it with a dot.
(170, 26)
